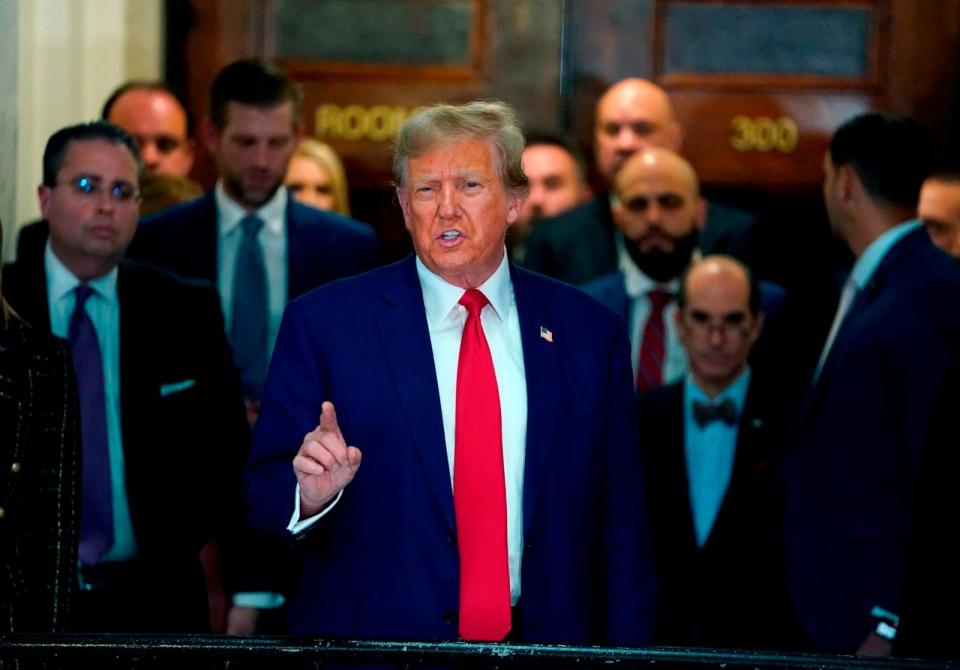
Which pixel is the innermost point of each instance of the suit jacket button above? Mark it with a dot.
(15, 467)
(451, 538)
(450, 618)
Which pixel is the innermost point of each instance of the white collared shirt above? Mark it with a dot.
(273, 239)
(103, 308)
(501, 326)
(637, 286)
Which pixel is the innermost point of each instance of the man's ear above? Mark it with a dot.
(848, 182)
(43, 195)
(404, 201)
(700, 213)
(515, 200)
(210, 135)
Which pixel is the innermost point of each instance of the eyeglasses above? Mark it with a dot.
(121, 192)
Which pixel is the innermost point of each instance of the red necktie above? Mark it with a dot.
(650, 370)
(479, 494)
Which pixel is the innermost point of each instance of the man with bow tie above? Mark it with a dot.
(707, 440)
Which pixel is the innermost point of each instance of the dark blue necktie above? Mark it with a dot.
(96, 508)
(248, 322)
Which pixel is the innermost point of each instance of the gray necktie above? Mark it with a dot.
(248, 322)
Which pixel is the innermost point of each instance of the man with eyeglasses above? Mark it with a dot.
(708, 441)
(160, 402)
(658, 214)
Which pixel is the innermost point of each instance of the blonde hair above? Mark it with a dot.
(324, 156)
(441, 124)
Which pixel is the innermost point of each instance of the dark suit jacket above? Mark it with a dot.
(183, 451)
(383, 563)
(730, 592)
(39, 480)
(863, 429)
(321, 246)
(578, 245)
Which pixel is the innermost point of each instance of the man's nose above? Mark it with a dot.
(150, 155)
(447, 202)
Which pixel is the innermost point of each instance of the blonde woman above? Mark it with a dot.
(316, 177)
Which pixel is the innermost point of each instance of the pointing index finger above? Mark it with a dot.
(328, 418)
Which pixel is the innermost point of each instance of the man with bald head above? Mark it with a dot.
(707, 440)
(154, 116)
(658, 215)
(632, 115)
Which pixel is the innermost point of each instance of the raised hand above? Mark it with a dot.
(325, 464)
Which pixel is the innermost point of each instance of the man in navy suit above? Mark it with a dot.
(708, 443)
(422, 357)
(869, 415)
(252, 132)
(162, 421)
(250, 238)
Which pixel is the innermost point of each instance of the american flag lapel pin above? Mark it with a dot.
(546, 334)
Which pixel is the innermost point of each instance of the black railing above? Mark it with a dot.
(133, 651)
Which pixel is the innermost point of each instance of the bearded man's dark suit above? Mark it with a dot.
(183, 427)
(39, 479)
(731, 591)
(578, 245)
(851, 469)
(321, 246)
(383, 563)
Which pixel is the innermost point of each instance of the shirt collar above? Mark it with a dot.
(440, 297)
(873, 255)
(230, 213)
(61, 282)
(736, 391)
(636, 283)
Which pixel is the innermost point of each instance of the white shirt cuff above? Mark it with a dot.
(296, 526)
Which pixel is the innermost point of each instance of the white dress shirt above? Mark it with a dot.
(273, 240)
(637, 286)
(501, 326)
(103, 308)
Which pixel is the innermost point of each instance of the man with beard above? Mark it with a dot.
(578, 246)
(658, 214)
(557, 175)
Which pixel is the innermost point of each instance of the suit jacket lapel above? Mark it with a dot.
(297, 259)
(677, 489)
(409, 355)
(540, 369)
(207, 224)
(747, 459)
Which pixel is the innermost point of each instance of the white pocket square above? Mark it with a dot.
(176, 387)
